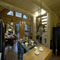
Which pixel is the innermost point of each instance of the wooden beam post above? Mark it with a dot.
(34, 29)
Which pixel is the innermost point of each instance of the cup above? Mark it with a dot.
(26, 44)
(35, 48)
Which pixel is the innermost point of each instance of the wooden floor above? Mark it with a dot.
(55, 57)
(11, 52)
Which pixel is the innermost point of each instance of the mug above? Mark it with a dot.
(26, 44)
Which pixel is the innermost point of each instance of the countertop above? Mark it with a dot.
(44, 55)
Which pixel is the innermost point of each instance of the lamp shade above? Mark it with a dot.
(9, 29)
(11, 23)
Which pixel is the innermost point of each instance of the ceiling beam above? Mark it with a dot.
(42, 15)
(8, 18)
(4, 11)
(14, 8)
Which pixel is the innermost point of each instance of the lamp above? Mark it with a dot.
(22, 22)
(9, 29)
(11, 23)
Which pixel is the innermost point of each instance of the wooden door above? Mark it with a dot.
(22, 30)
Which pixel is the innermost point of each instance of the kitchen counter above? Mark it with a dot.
(43, 55)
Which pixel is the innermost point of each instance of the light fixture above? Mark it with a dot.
(9, 29)
(11, 23)
(22, 22)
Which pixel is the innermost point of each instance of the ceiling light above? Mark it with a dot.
(9, 29)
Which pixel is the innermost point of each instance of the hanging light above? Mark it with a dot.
(11, 23)
(9, 29)
(22, 22)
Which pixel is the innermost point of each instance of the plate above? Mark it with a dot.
(36, 52)
(41, 49)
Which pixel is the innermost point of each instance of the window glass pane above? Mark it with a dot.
(44, 20)
(44, 23)
(24, 16)
(10, 29)
(43, 11)
(10, 13)
(44, 17)
(25, 27)
(18, 14)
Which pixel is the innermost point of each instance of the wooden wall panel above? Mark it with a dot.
(22, 30)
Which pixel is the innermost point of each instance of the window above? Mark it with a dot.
(44, 20)
(44, 17)
(10, 13)
(10, 29)
(18, 14)
(24, 16)
(25, 27)
(43, 11)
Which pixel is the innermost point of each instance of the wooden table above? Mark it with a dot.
(44, 55)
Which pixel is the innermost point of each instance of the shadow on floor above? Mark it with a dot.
(55, 57)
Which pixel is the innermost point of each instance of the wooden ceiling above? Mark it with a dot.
(30, 6)
(26, 6)
(3, 10)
